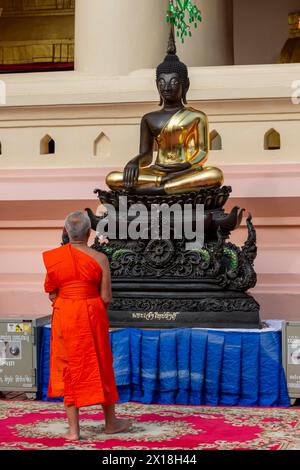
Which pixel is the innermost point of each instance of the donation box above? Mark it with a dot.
(291, 357)
(20, 341)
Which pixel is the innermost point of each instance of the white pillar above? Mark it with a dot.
(115, 37)
(212, 42)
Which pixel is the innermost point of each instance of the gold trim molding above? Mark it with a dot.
(30, 52)
(17, 8)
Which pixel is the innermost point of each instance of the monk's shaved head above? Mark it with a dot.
(78, 225)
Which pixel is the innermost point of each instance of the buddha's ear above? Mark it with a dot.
(161, 101)
(187, 85)
(185, 90)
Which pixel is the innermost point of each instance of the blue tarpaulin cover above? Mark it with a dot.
(194, 366)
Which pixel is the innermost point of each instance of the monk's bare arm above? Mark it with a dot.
(105, 288)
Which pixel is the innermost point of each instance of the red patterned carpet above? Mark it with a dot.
(38, 425)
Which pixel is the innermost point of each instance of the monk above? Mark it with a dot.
(81, 364)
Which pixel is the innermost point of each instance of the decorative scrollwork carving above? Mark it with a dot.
(211, 304)
(213, 198)
(219, 266)
(159, 252)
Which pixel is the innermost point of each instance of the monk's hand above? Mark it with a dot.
(53, 295)
(131, 173)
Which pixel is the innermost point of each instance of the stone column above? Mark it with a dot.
(212, 42)
(115, 37)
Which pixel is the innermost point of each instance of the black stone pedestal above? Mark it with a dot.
(158, 283)
(182, 308)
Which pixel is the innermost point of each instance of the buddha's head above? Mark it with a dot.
(172, 76)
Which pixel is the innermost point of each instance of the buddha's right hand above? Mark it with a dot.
(131, 173)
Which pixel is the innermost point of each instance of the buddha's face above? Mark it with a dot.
(170, 87)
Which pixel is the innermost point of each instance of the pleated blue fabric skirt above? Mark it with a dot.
(193, 366)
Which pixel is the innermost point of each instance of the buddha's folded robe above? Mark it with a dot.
(81, 363)
(183, 138)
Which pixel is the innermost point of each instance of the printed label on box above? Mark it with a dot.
(19, 327)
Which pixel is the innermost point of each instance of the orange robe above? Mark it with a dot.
(81, 363)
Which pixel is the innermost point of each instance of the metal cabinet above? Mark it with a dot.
(291, 357)
(20, 343)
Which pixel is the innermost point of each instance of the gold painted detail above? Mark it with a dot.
(29, 52)
(294, 24)
(169, 316)
(290, 52)
(16, 8)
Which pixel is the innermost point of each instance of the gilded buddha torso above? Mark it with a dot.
(182, 138)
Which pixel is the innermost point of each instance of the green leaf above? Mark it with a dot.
(180, 4)
(181, 13)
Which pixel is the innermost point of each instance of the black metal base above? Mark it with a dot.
(176, 309)
(160, 283)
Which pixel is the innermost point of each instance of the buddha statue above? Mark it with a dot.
(181, 136)
(291, 50)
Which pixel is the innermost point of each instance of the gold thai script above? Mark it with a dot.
(169, 316)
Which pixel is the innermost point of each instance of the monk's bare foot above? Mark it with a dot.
(119, 425)
(70, 436)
